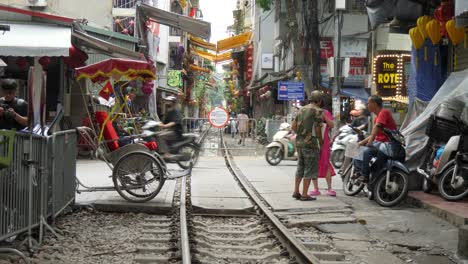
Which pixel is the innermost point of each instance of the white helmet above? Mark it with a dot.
(285, 126)
(171, 98)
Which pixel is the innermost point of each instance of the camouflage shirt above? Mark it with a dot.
(307, 119)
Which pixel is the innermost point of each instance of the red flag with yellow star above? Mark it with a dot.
(106, 91)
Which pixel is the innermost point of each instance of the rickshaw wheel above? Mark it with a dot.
(138, 177)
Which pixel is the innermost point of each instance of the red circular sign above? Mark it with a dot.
(218, 117)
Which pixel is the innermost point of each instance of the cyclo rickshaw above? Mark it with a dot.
(138, 171)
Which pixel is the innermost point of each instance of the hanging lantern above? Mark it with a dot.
(456, 34)
(416, 38)
(433, 31)
(22, 63)
(421, 22)
(44, 61)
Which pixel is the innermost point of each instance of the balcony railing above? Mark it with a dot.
(125, 3)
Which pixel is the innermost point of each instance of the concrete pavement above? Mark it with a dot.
(95, 173)
(215, 190)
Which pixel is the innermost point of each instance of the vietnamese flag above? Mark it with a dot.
(106, 91)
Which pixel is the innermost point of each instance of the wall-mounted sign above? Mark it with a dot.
(290, 91)
(387, 78)
(174, 79)
(267, 61)
(354, 47)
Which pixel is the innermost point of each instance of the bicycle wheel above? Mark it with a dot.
(138, 177)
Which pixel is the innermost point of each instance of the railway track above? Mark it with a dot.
(258, 238)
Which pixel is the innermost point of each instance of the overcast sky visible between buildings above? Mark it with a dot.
(219, 14)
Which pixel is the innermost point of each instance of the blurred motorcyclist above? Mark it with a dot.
(172, 126)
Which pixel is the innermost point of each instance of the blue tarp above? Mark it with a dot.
(357, 93)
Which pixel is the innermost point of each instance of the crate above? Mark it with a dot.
(441, 129)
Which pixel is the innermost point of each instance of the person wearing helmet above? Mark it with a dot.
(172, 124)
(308, 128)
(360, 120)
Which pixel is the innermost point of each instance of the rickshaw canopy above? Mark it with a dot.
(116, 69)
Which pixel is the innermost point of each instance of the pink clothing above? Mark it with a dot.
(325, 151)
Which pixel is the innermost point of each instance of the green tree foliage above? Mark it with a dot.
(265, 4)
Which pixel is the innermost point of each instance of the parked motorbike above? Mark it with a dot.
(183, 152)
(446, 165)
(281, 148)
(388, 182)
(345, 135)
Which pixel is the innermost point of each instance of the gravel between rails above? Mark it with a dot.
(95, 237)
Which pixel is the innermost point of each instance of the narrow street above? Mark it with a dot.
(352, 227)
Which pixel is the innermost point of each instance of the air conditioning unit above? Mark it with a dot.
(37, 3)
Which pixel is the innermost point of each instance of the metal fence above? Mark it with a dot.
(37, 181)
(271, 127)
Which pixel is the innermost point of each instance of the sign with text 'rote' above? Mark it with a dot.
(218, 117)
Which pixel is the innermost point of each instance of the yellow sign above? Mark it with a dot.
(387, 74)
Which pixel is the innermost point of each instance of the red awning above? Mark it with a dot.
(116, 69)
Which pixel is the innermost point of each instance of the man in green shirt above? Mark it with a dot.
(308, 127)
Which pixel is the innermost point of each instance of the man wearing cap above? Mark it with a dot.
(308, 127)
(13, 111)
(173, 125)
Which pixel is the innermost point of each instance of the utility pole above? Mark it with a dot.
(340, 5)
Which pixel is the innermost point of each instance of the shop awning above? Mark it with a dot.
(357, 93)
(35, 40)
(194, 26)
(234, 42)
(88, 41)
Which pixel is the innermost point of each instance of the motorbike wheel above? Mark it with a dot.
(395, 192)
(272, 158)
(349, 188)
(191, 150)
(337, 158)
(460, 190)
(427, 185)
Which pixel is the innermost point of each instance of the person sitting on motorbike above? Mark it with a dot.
(384, 119)
(360, 123)
(172, 126)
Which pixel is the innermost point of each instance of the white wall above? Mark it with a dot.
(392, 41)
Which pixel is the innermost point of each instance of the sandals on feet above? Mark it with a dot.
(296, 196)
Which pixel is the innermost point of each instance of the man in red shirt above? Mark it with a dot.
(384, 119)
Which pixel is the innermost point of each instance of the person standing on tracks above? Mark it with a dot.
(243, 126)
(308, 127)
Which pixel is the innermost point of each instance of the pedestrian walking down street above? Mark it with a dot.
(243, 126)
(325, 167)
(308, 127)
(233, 127)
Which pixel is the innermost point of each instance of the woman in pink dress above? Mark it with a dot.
(325, 168)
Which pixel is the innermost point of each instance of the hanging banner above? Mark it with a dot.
(234, 42)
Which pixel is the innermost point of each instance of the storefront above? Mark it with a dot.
(390, 77)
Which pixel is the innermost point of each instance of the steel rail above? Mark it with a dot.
(288, 239)
(184, 237)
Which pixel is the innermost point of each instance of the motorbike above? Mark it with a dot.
(183, 152)
(446, 165)
(281, 148)
(345, 135)
(388, 182)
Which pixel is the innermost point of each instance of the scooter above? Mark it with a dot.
(185, 152)
(447, 165)
(345, 135)
(282, 147)
(388, 182)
